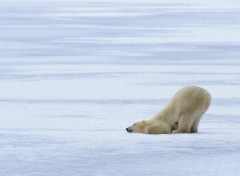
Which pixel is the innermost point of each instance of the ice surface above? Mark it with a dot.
(75, 74)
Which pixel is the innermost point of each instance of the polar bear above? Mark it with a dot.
(181, 115)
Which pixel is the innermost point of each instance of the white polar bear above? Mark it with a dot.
(181, 115)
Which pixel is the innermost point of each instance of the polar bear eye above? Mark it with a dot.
(134, 124)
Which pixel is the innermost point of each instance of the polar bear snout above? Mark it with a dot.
(129, 130)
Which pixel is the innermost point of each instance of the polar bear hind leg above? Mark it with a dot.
(194, 128)
(188, 123)
(184, 124)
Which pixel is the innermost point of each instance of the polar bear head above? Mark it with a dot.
(137, 127)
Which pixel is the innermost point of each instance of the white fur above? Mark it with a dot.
(185, 108)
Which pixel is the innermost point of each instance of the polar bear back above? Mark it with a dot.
(190, 99)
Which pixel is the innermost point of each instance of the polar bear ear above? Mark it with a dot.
(144, 121)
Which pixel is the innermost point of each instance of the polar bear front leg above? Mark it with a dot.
(156, 129)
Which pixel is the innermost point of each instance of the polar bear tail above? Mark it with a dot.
(208, 102)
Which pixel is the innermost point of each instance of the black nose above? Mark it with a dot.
(129, 130)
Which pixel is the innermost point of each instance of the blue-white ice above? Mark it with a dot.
(75, 74)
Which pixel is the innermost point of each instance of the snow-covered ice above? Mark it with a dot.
(75, 74)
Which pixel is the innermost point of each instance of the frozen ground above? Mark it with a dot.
(74, 75)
